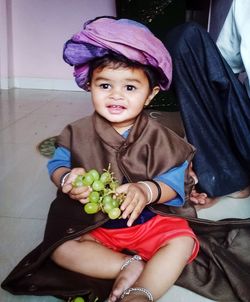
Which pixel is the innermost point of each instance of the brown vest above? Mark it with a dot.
(150, 149)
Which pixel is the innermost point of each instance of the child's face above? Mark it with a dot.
(120, 94)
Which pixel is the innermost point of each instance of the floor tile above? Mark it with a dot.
(18, 237)
(180, 294)
(227, 208)
(25, 187)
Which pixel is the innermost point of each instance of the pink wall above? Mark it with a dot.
(39, 30)
(40, 27)
(5, 44)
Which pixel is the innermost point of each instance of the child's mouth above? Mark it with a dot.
(115, 109)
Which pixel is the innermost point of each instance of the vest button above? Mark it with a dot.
(33, 288)
(28, 275)
(27, 263)
(70, 231)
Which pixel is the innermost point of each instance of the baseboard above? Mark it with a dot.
(38, 83)
(6, 83)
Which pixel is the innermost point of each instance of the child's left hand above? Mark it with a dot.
(135, 201)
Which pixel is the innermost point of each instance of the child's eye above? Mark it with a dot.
(130, 87)
(104, 86)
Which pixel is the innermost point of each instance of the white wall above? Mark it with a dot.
(38, 30)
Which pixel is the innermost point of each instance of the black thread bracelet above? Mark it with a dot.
(158, 188)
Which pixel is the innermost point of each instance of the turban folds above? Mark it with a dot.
(123, 36)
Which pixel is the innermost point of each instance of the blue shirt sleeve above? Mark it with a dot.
(61, 158)
(174, 178)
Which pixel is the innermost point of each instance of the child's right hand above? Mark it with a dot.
(76, 193)
(135, 201)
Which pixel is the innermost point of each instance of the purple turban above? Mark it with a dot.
(126, 37)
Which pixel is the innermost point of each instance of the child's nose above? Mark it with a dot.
(116, 93)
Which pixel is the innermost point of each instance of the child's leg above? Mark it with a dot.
(88, 257)
(160, 272)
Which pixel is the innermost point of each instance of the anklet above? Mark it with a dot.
(140, 290)
(127, 262)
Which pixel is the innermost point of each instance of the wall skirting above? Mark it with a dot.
(6, 83)
(37, 83)
(51, 84)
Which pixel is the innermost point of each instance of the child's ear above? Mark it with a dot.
(153, 93)
(88, 87)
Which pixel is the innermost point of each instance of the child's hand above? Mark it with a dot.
(135, 201)
(78, 193)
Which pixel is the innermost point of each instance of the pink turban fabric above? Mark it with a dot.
(123, 36)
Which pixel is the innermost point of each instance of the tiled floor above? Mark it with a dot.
(26, 118)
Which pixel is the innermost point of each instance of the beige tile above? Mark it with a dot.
(227, 208)
(18, 237)
(180, 294)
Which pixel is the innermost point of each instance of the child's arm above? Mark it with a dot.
(59, 168)
(58, 174)
(138, 195)
(167, 188)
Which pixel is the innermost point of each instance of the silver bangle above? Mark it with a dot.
(64, 178)
(138, 289)
(150, 192)
(127, 262)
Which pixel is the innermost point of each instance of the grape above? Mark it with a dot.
(113, 185)
(114, 213)
(107, 199)
(94, 196)
(88, 179)
(94, 173)
(78, 181)
(91, 208)
(115, 203)
(108, 207)
(78, 299)
(105, 177)
(98, 185)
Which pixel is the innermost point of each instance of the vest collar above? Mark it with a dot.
(111, 137)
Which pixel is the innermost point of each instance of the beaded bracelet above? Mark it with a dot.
(158, 188)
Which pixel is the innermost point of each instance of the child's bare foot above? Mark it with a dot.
(130, 272)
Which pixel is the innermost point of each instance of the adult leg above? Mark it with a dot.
(215, 110)
(160, 272)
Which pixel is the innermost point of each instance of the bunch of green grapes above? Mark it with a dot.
(80, 299)
(103, 196)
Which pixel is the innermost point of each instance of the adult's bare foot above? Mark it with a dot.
(201, 200)
(130, 272)
(241, 194)
(209, 202)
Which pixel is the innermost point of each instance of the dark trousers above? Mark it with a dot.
(215, 110)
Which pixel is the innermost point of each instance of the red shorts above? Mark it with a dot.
(145, 239)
